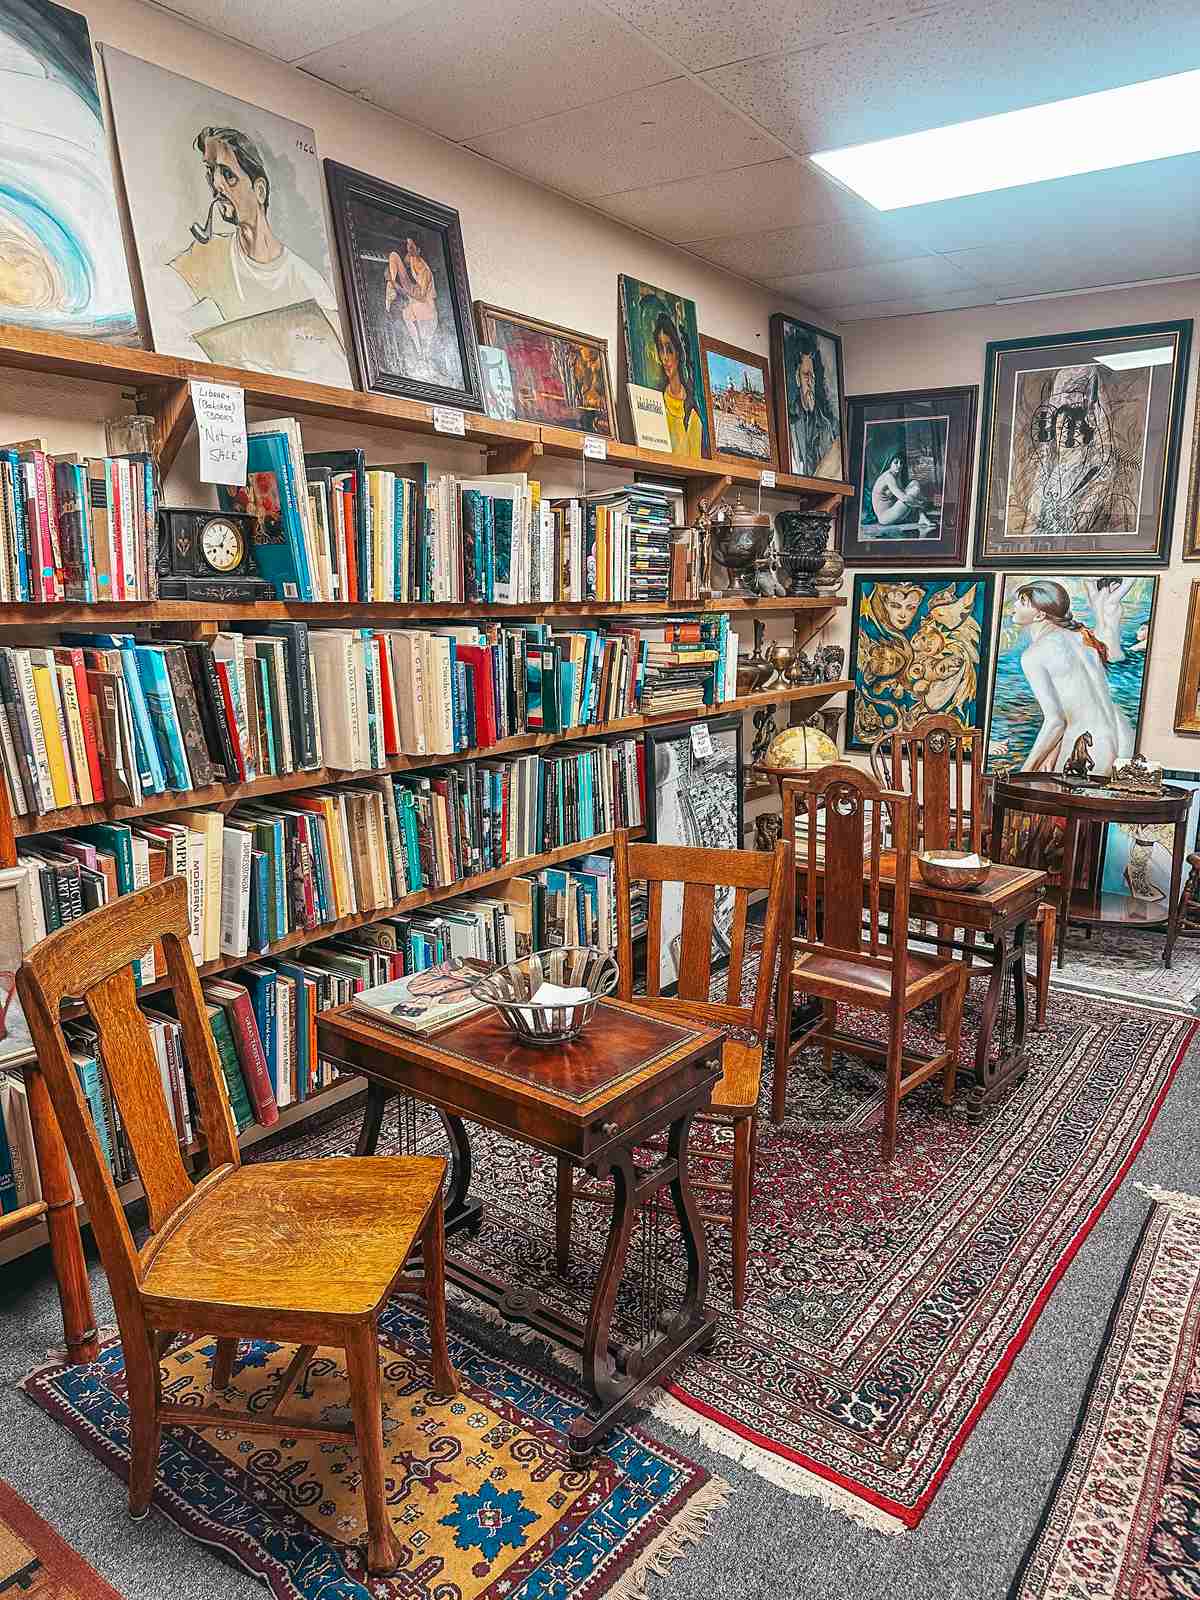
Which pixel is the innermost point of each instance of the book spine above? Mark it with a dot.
(253, 1060)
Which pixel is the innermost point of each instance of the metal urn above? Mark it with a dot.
(739, 541)
(801, 537)
(754, 670)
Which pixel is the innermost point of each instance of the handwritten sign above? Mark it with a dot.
(702, 745)
(594, 447)
(767, 479)
(448, 419)
(221, 423)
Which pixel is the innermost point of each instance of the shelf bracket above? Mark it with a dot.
(519, 456)
(710, 491)
(171, 408)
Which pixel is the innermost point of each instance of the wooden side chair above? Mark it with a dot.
(305, 1252)
(940, 764)
(861, 958)
(735, 1098)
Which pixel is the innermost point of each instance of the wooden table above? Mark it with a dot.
(999, 912)
(592, 1103)
(1043, 795)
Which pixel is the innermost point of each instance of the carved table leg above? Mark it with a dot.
(1004, 1023)
(459, 1211)
(372, 1123)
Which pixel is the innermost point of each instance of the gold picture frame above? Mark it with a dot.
(1191, 515)
(1187, 700)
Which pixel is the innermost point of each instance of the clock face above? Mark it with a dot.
(223, 545)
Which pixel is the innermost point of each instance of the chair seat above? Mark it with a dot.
(324, 1238)
(840, 976)
(741, 1071)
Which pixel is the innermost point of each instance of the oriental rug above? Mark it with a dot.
(1123, 1521)
(885, 1305)
(35, 1564)
(1129, 964)
(483, 1499)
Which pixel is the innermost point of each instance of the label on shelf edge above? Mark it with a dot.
(767, 478)
(449, 419)
(594, 447)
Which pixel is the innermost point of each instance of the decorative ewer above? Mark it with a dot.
(754, 670)
(801, 536)
(739, 539)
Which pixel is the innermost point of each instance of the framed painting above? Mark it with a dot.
(1080, 451)
(64, 254)
(662, 351)
(405, 276)
(1070, 672)
(1187, 699)
(918, 648)
(807, 363)
(228, 219)
(1191, 520)
(738, 403)
(909, 458)
(697, 801)
(1137, 856)
(559, 377)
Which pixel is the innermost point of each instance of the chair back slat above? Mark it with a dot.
(940, 764)
(702, 873)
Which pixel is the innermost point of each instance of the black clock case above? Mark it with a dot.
(182, 573)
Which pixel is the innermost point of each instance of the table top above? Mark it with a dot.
(1044, 786)
(623, 1051)
(1002, 886)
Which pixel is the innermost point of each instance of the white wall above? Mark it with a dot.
(924, 352)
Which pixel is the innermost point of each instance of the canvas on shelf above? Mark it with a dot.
(62, 255)
(559, 377)
(228, 218)
(662, 351)
(918, 648)
(737, 393)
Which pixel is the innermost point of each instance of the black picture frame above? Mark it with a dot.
(787, 334)
(984, 668)
(675, 733)
(352, 193)
(1149, 544)
(957, 406)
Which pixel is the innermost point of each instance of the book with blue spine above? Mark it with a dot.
(8, 1176)
(304, 987)
(271, 494)
(150, 767)
(262, 984)
(164, 717)
(259, 935)
(87, 1070)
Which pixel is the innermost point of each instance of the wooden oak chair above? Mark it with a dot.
(305, 1252)
(860, 959)
(735, 1098)
(940, 764)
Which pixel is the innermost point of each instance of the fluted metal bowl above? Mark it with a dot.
(571, 967)
(945, 869)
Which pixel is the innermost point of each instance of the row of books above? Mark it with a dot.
(76, 528)
(106, 718)
(269, 869)
(336, 528)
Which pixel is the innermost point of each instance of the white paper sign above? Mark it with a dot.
(767, 479)
(448, 419)
(702, 745)
(221, 423)
(594, 447)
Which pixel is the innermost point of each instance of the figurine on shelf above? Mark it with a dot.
(803, 670)
(1079, 766)
(765, 729)
(768, 830)
(831, 662)
(765, 578)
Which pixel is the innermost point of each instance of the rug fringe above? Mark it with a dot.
(1173, 1199)
(784, 1474)
(686, 1528)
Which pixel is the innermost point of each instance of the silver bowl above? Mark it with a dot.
(510, 988)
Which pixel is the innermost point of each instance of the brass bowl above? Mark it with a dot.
(944, 869)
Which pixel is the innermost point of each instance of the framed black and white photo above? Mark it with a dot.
(405, 276)
(694, 797)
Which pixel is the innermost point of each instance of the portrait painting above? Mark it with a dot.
(918, 648)
(696, 801)
(909, 461)
(737, 395)
(1070, 676)
(559, 377)
(1080, 453)
(404, 271)
(807, 363)
(1191, 520)
(62, 254)
(662, 351)
(229, 223)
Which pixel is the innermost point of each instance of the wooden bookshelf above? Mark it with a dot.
(225, 795)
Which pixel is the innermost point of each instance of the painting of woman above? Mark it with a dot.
(662, 351)
(1066, 667)
(679, 392)
(410, 286)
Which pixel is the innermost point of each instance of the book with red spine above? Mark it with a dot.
(73, 657)
(234, 999)
(387, 696)
(479, 657)
(222, 670)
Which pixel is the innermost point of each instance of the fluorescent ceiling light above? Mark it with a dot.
(1115, 128)
(1122, 360)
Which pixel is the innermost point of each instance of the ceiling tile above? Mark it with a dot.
(710, 33)
(958, 300)
(960, 63)
(769, 195)
(678, 131)
(469, 67)
(787, 252)
(291, 31)
(895, 280)
(1050, 268)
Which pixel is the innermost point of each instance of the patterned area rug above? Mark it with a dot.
(1129, 964)
(483, 1499)
(1123, 1522)
(35, 1564)
(884, 1306)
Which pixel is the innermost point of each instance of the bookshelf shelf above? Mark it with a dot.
(228, 794)
(121, 613)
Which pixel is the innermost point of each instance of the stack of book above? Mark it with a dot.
(426, 1000)
(76, 528)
